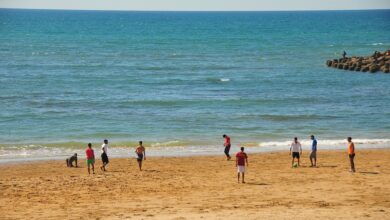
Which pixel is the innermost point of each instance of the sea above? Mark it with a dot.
(178, 81)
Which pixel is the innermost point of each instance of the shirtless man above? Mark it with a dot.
(69, 161)
(140, 151)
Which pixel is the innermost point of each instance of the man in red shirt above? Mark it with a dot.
(227, 146)
(241, 160)
(90, 158)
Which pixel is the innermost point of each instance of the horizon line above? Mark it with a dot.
(152, 10)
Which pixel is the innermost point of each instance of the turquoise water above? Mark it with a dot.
(182, 79)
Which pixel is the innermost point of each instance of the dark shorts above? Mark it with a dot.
(104, 158)
(351, 156)
(140, 157)
(295, 155)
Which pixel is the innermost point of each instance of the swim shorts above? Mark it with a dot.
(240, 169)
(90, 161)
(140, 157)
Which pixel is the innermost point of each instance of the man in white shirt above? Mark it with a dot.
(104, 155)
(295, 150)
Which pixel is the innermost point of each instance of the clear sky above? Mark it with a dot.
(198, 5)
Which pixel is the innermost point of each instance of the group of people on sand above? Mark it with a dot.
(295, 152)
(90, 157)
(241, 156)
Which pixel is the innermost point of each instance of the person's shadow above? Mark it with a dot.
(258, 184)
(369, 172)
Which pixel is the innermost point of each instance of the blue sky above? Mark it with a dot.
(199, 5)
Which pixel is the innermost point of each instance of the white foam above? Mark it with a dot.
(225, 79)
(177, 148)
(328, 142)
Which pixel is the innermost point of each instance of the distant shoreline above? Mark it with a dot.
(130, 155)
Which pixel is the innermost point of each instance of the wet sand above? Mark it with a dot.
(201, 188)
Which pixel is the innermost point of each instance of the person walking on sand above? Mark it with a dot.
(313, 153)
(90, 158)
(296, 150)
(241, 160)
(104, 155)
(227, 146)
(351, 154)
(141, 154)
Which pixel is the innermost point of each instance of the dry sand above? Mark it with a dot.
(201, 188)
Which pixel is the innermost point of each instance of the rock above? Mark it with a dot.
(379, 61)
(358, 68)
(374, 68)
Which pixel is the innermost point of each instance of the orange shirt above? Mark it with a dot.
(351, 148)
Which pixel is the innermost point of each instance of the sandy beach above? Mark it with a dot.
(201, 188)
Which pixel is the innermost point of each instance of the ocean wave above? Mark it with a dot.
(326, 142)
(174, 143)
(170, 148)
(280, 118)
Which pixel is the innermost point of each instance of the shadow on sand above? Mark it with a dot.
(368, 172)
(329, 166)
(258, 184)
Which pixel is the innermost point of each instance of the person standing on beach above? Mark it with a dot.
(241, 160)
(351, 154)
(104, 155)
(141, 154)
(227, 146)
(296, 150)
(90, 158)
(313, 153)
